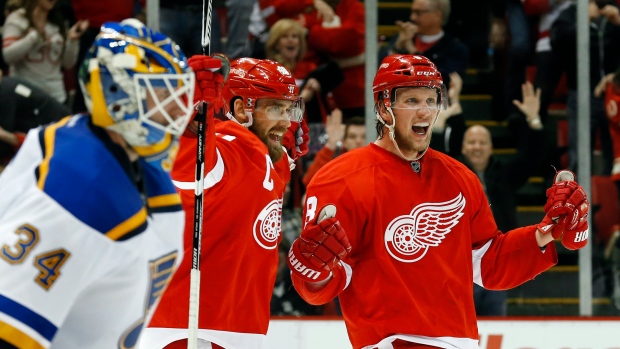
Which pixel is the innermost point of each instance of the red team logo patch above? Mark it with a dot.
(267, 225)
(408, 237)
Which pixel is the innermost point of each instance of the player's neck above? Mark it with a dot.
(386, 143)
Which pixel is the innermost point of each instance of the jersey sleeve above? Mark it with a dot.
(184, 170)
(344, 41)
(351, 211)
(498, 257)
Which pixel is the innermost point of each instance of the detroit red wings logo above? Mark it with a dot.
(267, 225)
(408, 237)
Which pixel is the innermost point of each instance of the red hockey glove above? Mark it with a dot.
(208, 82)
(211, 75)
(575, 221)
(296, 139)
(566, 211)
(318, 250)
(574, 239)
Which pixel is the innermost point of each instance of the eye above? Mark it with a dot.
(273, 109)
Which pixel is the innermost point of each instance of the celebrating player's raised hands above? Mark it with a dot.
(320, 248)
(566, 211)
(210, 78)
(296, 139)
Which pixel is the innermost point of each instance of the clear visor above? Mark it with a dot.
(165, 100)
(416, 101)
(284, 110)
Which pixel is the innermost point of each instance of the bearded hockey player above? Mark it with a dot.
(246, 169)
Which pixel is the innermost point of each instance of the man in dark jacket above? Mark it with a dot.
(502, 179)
(22, 107)
(423, 34)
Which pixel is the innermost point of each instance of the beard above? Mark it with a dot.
(407, 144)
(275, 150)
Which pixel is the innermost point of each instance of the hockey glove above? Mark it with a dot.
(575, 221)
(318, 250)
(211, 75)
(566, 211)
(296, 139)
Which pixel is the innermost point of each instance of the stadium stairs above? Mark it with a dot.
(555, 292)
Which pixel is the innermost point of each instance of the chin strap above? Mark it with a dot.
(230, 116)
(393, 136)
(291, 162)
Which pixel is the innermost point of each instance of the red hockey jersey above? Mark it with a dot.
(239, 252)
(419, 240)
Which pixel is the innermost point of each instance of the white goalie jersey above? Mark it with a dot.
(86, 249)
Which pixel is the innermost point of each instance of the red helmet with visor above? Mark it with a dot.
(253, 79)
(407, 71)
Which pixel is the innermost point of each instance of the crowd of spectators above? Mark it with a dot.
(528, 46)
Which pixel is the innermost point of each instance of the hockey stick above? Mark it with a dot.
(194, 290)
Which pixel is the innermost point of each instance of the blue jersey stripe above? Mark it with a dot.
(28, 317)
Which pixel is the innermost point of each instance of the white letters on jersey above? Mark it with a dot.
(268, 182)
(267, 225)
(311, 203)
(408, 237)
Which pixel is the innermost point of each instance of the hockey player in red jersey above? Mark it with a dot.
(246, 170)
(410, 228)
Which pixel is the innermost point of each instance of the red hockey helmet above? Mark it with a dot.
(253, 79)
(407, 71)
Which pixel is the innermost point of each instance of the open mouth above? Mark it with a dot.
(275, 137)
(291, 50)
(420, 129)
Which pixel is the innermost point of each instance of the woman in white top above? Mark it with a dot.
(36, 45)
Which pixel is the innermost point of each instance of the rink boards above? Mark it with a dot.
(507, 333)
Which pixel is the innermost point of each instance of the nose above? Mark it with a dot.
(424, 110)
(284, 122)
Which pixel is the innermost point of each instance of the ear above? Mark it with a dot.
(383, 113)
(239, 111)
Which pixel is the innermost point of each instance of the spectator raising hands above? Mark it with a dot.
(530, 106)
(404, 40)
(37, 46)
(334, 129)
(325, 13)
(454, 92)
(76, 31)
(612, 13)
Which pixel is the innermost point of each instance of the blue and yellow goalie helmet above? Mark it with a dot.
(137, 83)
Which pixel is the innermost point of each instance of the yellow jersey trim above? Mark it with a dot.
(128, 226)
(17, 338)
(49, 137)
(164, 200)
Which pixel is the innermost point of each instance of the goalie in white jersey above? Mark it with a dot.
(91, 227)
